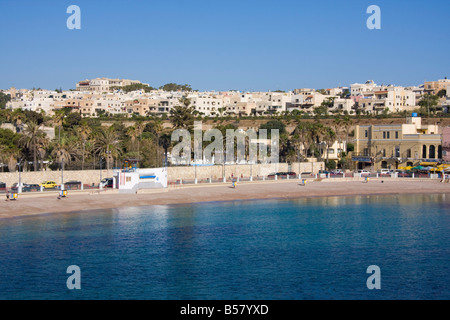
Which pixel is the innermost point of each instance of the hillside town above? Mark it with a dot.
(103, 122)
(100, 96)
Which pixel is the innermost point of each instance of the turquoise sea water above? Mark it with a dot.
(316, 248)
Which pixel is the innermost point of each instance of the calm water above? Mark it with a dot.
(276, 249)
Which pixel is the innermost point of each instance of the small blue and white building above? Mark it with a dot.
(132, 179)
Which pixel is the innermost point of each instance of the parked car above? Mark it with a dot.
(384, 171)
(337, 171)
(26, 187)
(291, 174)
(363, 172)
(106, 183)
(15, 187)
(72, 185)
(31, 187)
(49, 184)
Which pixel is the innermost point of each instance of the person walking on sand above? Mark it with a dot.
(7, 196)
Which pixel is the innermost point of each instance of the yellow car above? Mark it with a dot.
(49, 185)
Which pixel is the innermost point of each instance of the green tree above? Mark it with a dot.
(274, 124)
(442, 93)
(175, 87)
(181, 116)
(134, 87)
(108, 145)
(428, 102)
(84, 131)
(34, 139)
(4, 99)
(67, 149)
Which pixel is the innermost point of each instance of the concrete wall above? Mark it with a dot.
(174, 173)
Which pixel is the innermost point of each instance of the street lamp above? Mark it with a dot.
(100, 163)
(19, 188)
(62, 173)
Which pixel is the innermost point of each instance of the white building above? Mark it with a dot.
(101, 85)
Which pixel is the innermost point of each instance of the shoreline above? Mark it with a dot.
(78, 202)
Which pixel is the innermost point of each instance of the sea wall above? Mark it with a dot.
(174, 173)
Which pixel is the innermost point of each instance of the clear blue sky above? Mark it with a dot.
(222, 45)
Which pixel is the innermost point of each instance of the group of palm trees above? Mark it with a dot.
(84, 143)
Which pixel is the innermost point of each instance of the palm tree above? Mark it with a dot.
(108, 145)
(165, 142)
(347, 122)
(181, 116)
(33, 138)
(329, 137)
(66, 149)
(303, 138)
(337, 122)
(57, 121)
(132, 133)
(156, 128)
(84, 131)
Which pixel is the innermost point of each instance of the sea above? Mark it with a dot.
(386, 247)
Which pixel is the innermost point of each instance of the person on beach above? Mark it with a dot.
(7, 196)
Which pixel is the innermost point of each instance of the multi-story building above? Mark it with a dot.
(306, 100)
(446, 144)
(387, 99)
(433, 87)
(101, 85)
(357, 89)
(391, 146)
(341, 105)
(207, 104)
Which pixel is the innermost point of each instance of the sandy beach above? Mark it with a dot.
(47, 202)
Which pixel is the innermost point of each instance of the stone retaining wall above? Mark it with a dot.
(174, 173)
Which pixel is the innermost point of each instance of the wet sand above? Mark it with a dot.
(77, 201)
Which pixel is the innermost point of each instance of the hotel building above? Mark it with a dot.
(392, 146)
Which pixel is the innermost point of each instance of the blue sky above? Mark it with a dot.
(224, 45)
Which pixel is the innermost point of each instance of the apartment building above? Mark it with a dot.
(387, 99)
(358, 89)
(101, 85)
(306, 100)
(207, 104)
(341, 105)
(390, 146)
(433, 87)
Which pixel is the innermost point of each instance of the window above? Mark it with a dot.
(387, 134)
(365, 133)
(384, 134)
(408, 153)
(396, 134)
